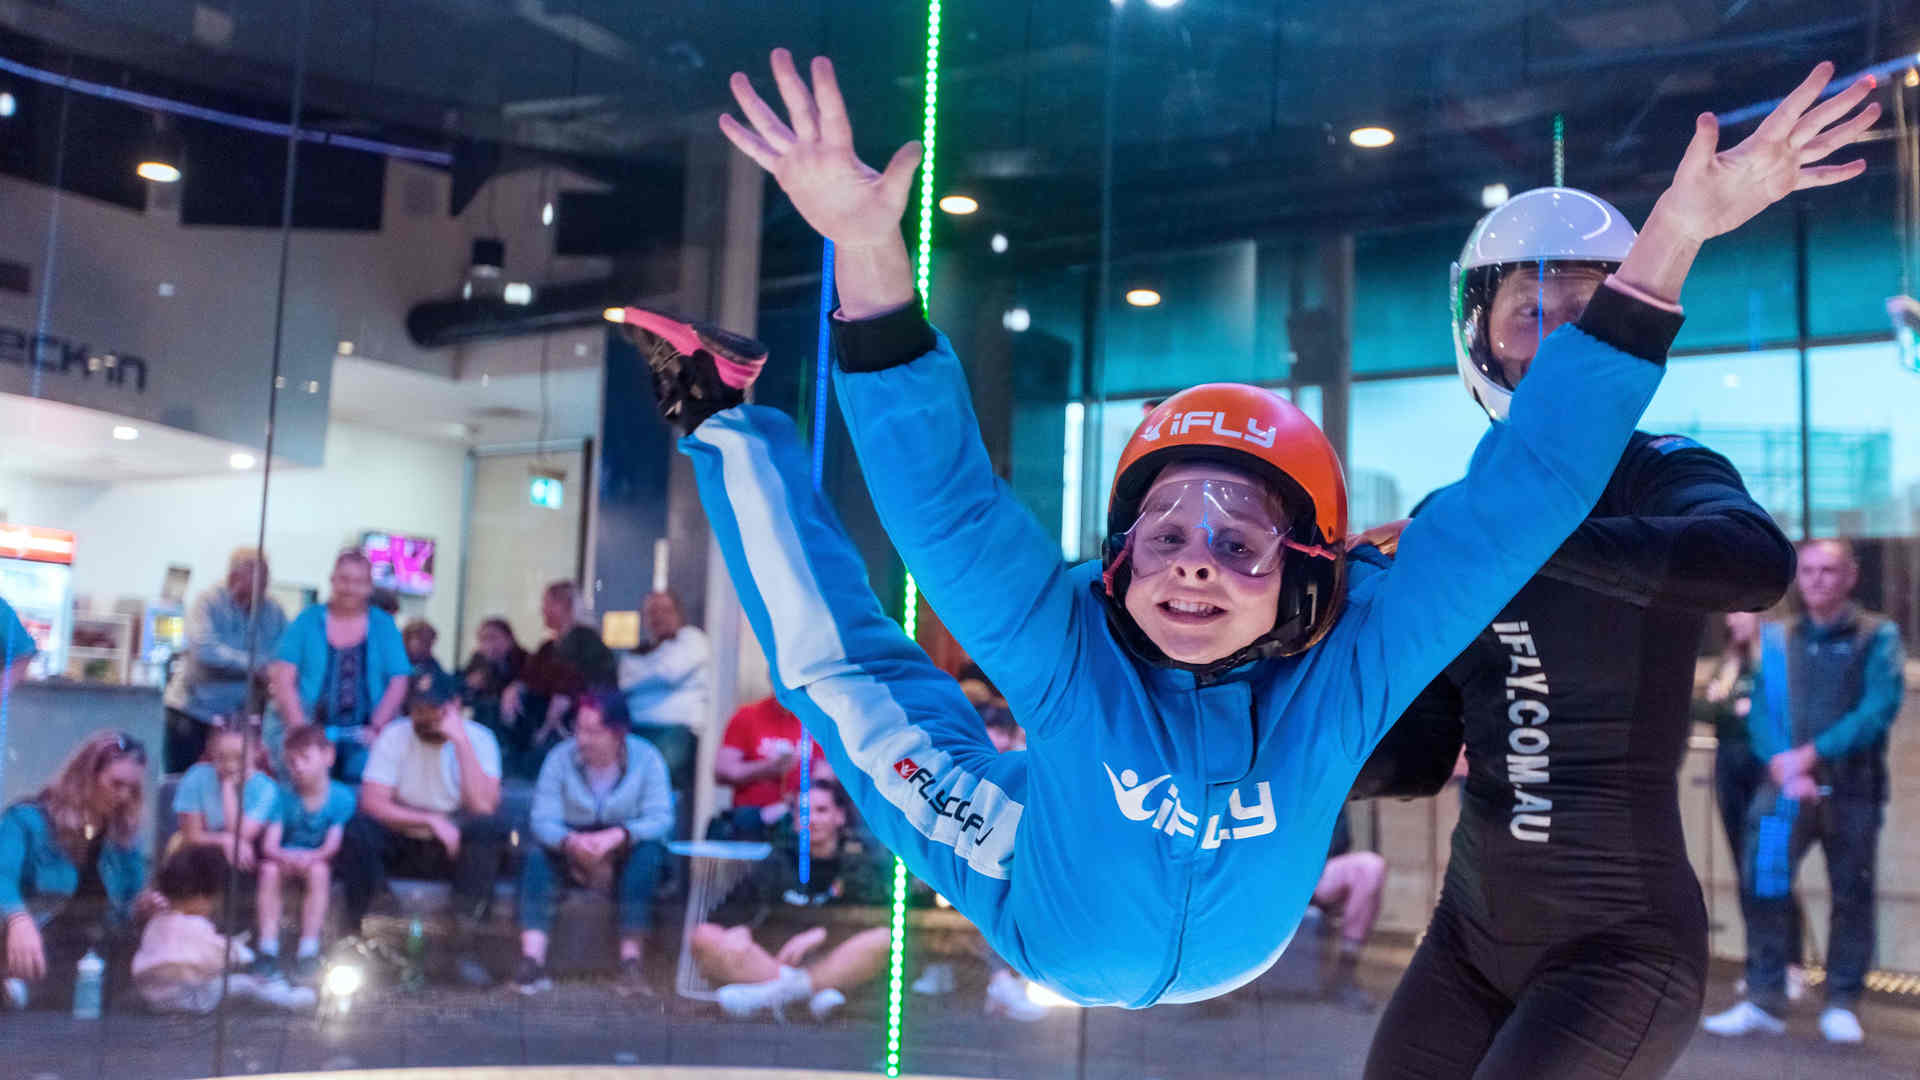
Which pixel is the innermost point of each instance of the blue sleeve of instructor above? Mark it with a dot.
(1531, 482)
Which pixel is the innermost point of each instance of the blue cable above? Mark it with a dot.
(822, 384)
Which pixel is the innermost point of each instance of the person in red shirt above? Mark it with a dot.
(760, 760)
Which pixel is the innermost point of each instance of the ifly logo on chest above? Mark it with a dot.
(1169, 816)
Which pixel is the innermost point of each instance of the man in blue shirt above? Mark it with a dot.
(233, 630)
(1828, 688)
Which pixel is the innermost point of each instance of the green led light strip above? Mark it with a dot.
(910, 601)
(1559, 150)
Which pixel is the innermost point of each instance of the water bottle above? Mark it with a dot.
(416, 955)
(86, 986)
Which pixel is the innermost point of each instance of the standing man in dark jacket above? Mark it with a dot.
(1829, 686)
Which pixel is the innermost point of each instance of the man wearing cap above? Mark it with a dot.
(428, 809)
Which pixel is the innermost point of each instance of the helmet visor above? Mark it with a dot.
(1525, 304)
(1237, 527)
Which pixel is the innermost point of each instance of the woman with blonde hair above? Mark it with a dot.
(71, 866)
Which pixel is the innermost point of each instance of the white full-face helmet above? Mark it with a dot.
(1547, 229)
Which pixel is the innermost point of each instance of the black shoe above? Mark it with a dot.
(632, 982)
(698, 369)
(530, 977)
(471, 972)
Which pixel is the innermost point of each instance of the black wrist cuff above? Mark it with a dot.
(883, 342)
(1633, 326)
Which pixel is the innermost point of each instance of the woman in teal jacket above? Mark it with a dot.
(342, 665)
(70, 864)
(1199, 700)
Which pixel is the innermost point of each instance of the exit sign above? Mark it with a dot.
(546, 491)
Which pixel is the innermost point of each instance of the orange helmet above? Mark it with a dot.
(1258, 431)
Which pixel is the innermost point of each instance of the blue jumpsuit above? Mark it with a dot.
(1160, 838)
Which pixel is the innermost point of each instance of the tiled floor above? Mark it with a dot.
(1248, 1035)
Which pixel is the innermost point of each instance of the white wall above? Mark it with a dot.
(127, 533)
(518, 548)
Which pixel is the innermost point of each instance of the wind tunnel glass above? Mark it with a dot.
(1235, 526)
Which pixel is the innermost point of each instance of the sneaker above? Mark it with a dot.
(471, 972)
(697, 369)
(264, 967)
(824, 1003)
(1796, 982)
(742, 1000)
(530, 977)
(1744, 1019)
(1839, 1025)
(1007, 996)
(937, 979)
(306, 970)
(1349, 995)
(279, 995)
(632, 981)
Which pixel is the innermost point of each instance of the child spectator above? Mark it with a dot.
(221, 794)
(182, 956)
(308, 823)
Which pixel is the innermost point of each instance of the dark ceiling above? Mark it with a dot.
(1229, 117)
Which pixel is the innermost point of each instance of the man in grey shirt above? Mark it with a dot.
(232, 632)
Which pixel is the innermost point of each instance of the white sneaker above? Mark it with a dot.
(741, 1000)
(1796, 982)
(935, 980)
(1743, 1019)
(1007, 996)
(825, 1003)
(1840, 1025)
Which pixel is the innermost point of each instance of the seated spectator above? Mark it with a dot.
(428, 808)
(759, 758)
(17, 649)
(418, 638)
(233, 630)
(773, 903)
(666, 682)
(494, 665)
(183, 955)
(71, 868)
(387, 600)
(600, 811)
(341, 665)
(221, 797)
(1349, 889)
(306, 831)
(571, 662)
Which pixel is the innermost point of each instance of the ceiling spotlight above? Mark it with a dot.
(125, 433)
(1164, 3)
(998, 243)
(345, 348)
(1493, 195)
(1142, 297)
(546, 214)
(160, 172)
(1370, 138)
(517, 292)
(162, 154)
(959, 204)
(8, 105)
(615, 314)
(1016, 319)
(1913, 77)
(240, 461)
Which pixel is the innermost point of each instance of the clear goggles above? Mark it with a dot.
(1237, 527)
(1528, 304)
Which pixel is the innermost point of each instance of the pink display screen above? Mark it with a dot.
(401, 563)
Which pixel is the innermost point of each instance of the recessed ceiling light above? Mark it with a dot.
(1164, 3)
(165, 288)
(1370, 138)
(1017, 319)
(1493, 195)
(546, 214)
(517, 292)
(1142, 297)
(157, 171)
(9, 105)
(959, 204)
(240, 461)
(998, 243)
(125, 433)
(345, 348)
